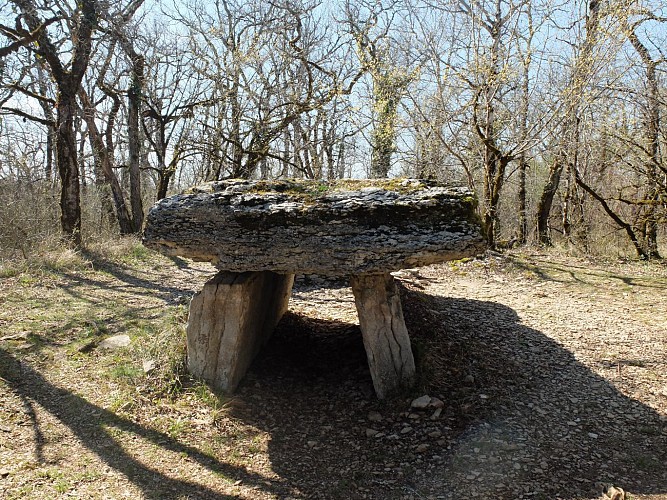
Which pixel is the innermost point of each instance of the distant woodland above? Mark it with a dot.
(552, 111)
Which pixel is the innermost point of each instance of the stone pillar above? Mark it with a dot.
(383, 328)
(230, 320)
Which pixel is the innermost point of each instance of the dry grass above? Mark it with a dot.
(30, 239)
(90, 423)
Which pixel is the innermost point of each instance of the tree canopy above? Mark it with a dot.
(550, 110)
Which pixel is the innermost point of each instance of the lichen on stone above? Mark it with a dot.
(300, 226)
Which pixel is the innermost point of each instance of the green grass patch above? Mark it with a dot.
(177, 428)
(205, 395)
(126, 371)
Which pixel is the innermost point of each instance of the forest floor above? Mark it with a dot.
(552, 370)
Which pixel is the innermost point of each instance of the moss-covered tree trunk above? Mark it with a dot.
(649, 225)
(387, 92)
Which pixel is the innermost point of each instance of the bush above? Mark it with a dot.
(30, 236)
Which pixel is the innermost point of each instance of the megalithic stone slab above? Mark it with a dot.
(261, 233)
(384, 332)
(335, 228)
(230, 320)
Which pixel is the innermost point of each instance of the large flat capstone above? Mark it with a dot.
(345, 227)
(260, 234)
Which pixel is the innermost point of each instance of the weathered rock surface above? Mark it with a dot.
(115, 342)
(260, 234)
(385, 335)
(340, 228)
(230, 320)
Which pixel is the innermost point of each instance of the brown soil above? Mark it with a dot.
(552, 370)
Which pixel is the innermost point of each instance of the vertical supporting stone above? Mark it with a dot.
(383, 328)
(230, 320)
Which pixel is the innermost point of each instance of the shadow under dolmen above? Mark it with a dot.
(522, 417)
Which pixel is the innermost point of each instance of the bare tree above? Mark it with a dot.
(67, 75)
(634, 196)
(566, 154)
(172, 92)
(370, 24)
(654, 170)
(104, 156)
(477, 89)
(121, 31)
(268, 66)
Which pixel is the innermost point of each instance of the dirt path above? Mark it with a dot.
(552, 372)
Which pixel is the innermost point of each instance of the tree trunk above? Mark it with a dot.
(522, 222)
(104, 192)
(47, 109)
(522, 228)
(495, 161)
(68, 83)
(163, 185)
(68, 167)
(286, 161)
(105, 163)
(134, 139)
(652, 138)
(546, 201)
(238, 170)
(78, 130)
(50, 146)
(384, 132)
(341, 167)
(567, 201)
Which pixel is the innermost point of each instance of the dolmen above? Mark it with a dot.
(260, 234)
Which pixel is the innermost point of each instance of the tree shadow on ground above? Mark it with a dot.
(94, 427)
(548, 270)
(149, 280)
(522, 417)
(146, 286)
(90, 309)
(104, 305)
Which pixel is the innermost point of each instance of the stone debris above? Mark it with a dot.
(426, 402)
(436, 403)
(374, 416)
(149, 366)
(421, 402)
(115, 342)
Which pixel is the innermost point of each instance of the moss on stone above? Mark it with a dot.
(308, 190)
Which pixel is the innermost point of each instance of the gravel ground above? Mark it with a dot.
(546, 378)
